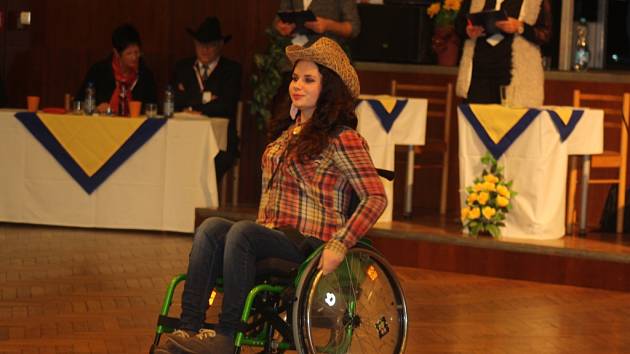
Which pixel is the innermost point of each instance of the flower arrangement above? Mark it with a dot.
(488, 200)
(445, 41)
(444, 11)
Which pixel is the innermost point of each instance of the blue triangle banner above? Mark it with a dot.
(499, 148)
(40, 132)
(386, 118)
(565, 129)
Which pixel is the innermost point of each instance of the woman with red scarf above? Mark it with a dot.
(123, 71)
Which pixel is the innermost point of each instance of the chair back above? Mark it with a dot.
(616, 125)
(440, 100)
(438, 135)
(236, 171)
(354, 198)
(616, 109)
(233, 175)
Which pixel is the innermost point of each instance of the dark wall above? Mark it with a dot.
(66, 36)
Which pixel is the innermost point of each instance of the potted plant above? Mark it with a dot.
(445, 41)
(267, 76)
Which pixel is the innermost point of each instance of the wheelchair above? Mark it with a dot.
(359, 308)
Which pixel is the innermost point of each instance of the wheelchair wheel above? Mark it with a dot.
(359, 308)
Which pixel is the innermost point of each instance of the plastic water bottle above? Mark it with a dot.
(582, 54)
(169, 103)
(89, 106)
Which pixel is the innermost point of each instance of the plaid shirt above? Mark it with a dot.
(312, 196)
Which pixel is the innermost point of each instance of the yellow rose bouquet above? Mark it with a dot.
(488, 200)
(444, 11)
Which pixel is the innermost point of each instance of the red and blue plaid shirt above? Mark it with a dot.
(313, 196)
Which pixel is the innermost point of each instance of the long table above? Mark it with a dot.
(536, 162)
(157, 188)
(383, 129)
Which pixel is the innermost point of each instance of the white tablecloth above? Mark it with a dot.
(157, 188)
(537, 163)
(409, 128)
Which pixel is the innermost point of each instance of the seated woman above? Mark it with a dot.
(309, 174)
(124, 70)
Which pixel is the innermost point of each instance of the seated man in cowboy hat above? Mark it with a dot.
(210, 84)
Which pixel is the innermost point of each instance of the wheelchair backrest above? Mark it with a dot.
(354, 198)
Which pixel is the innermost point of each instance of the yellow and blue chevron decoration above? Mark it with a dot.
(90, 149)
(565, 119)
(387, 109)
(497, 126)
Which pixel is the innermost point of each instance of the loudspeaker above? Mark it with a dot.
(393, 33)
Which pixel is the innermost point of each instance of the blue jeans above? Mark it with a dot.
(230, 249)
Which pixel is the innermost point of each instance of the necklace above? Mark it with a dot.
(298, 126)
(297, 129)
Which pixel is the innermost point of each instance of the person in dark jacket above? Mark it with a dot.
(210, 84)
(335, 19)
(510, 58)
(124, 70)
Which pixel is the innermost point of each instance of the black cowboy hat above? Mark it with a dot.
(209, 31)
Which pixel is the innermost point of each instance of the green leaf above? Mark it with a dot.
(475, 228)
(267, 77)
(493, 230)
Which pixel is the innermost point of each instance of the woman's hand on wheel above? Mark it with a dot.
(329, 261)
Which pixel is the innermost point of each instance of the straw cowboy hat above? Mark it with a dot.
(209, 31)
(328, 53)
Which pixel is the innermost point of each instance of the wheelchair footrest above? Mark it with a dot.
(170, 322)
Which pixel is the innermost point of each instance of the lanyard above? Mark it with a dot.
(202, 86)
(130, 88)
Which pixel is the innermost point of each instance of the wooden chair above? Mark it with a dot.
(616, 111)
(440, 99)
(233, 175)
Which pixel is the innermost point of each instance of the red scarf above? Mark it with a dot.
(128, 80)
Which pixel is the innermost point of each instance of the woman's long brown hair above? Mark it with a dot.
(335, 108)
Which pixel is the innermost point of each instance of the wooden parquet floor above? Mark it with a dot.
(99, 291)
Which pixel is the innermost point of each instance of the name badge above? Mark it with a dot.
(206, 97)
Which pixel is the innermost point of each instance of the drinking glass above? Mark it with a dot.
(77, 107)
(32, 103)
(503, 90)
(134, 108)
(150, 110)
(546, 63)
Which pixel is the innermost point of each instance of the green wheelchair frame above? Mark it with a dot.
(266, 302)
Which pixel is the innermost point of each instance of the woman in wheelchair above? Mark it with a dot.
(309, 172)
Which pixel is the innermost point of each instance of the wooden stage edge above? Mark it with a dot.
(596, 261)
